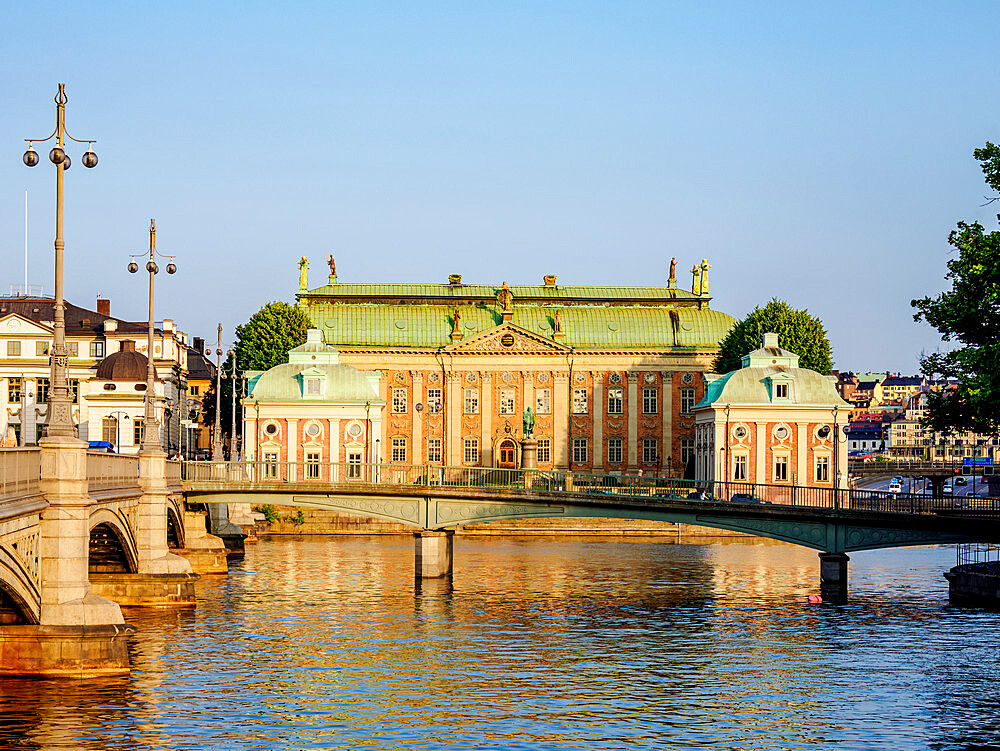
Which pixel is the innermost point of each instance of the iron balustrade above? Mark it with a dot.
(645, 489)
(20, 471)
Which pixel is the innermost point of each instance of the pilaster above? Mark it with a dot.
(633, 418)
(416, 439)
(597, 377)
(667, 423)
(453, 419)
(560, 419)
(486, 419)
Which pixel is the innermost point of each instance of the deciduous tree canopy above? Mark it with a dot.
(797, 332)
(968, 314)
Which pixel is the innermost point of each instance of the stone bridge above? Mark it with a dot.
(82, 534)
(434, 500)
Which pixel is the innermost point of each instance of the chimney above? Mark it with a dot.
(550, 280)
(770, 340)
(199, 345)
(103, 306)
(127, 345)
(454, 279)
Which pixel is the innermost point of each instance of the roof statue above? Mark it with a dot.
(303, 277)
(673, 268)
(696, 280)
(705, 266)
(456, 325)
(332, 264)
(557, 324)
(505, 297)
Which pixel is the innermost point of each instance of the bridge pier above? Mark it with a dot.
(230, 534)
(833, 577)
(78, 633)
(205, 552)
(432, 553)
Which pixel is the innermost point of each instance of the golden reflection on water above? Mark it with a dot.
(535, 643)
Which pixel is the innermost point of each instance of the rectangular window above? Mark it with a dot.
(614, 451)
(687, 400)
(97, 350)
(194, 390)
(579, 401)
(506, 401)
(353, 465)
(433, 449)
(579, 450)
(73, 349)
(41, 391)
(544, 454)
(74, 389)
(781, 391)
(399, 450)
(39, 432)
(649, 452)
(740, 467)
(543, 402)
(434, 400)
(137, 431)
(13, 349)
(471, 446)
(109, 431)
(270, 466)
(822, 469)
(312, 465)
(781, 469)
(14, 390)
(614, 401)
(687, 451)
(399, 401)
(41, 349)
(472, 402)
(649, 405)
(312, 387)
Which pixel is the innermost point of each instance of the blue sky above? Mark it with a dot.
(817, 153)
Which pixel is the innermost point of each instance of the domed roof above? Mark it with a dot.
(124, 365)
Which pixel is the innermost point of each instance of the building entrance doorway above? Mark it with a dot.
(507, 454)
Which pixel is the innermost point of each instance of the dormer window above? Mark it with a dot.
(312, 387)
(781, 391)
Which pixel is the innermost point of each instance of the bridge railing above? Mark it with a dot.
(111, 471)
(20, 471)
(647, 489)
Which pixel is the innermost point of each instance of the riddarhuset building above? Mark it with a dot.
(612, 374)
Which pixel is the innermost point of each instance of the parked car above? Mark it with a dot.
(699, 495)
(746, 498)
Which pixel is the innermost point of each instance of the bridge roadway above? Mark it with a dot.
(441, 498)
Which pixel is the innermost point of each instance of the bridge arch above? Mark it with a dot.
(111, 547)
(19, 599)
(175, 529)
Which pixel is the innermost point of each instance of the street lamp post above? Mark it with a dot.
(118, 416)
(59, 417)
(150, 428)
(217, 435)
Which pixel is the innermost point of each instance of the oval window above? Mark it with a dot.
(354, 430)
(781, 433)
(507, 340)
(271, 428)
(313, 429)
(740, 432)
(824, 432)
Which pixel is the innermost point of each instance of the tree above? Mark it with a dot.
(969, 314)
(264, 340)
(797, 332)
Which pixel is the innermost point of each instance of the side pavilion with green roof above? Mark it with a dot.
(610, 373)
(771, 422)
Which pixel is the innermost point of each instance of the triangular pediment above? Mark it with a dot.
(507, 337)
(12, 323)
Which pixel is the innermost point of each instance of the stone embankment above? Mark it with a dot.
(316, 522)
(975, 584)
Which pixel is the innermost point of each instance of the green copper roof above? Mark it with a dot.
(584, 326)
(341, 384)
(533, 292)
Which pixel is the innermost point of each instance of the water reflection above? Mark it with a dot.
(534, 644)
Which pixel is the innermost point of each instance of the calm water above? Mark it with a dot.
(540, 644)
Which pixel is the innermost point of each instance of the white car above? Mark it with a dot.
(895, 487)
(949, 489)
